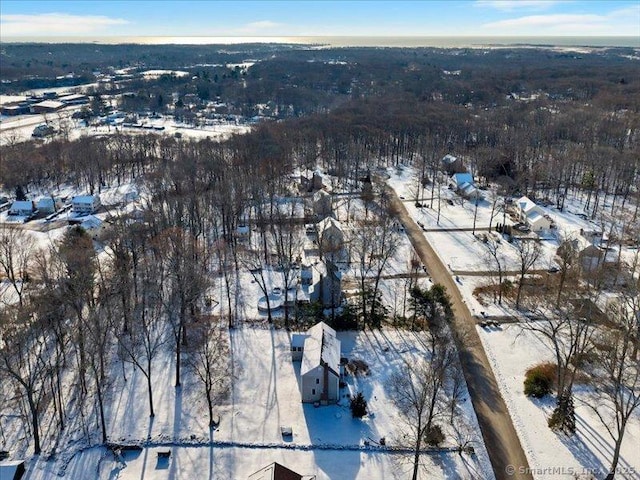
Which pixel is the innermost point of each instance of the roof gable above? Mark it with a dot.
(275, 471)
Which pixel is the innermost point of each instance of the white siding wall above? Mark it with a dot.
(312, 386)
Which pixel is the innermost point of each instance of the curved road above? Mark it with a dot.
(503, 445)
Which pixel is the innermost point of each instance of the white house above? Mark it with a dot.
(92, 225)
(320, 368)
(85, 204)
(533, 215)
(22, 208)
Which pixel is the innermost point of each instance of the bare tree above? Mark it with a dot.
(529, 252)
(616, 371)
(185, 286)
(98, 338)
(253, 261)
(146, 335)
(374, 242)
(288, 242)
(16, 253)
(496, 259)
(568, 330)
(419, 392)
(567, 253)
(209, 359)
(23, 354)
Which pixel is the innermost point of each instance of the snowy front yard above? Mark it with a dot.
(511, 352)
(265, 395)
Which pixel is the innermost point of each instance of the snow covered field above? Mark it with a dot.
(265, 395)
(461, 250)
(511, 352)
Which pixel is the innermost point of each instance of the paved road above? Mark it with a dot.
(500, 437)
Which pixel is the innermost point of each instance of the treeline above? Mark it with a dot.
(539, 148)
(299, 80)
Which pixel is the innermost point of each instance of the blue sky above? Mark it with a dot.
(239, 18)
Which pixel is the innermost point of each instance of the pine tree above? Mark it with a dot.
(358, 406)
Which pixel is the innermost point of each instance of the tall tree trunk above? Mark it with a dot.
(35, 423)
(149, 388)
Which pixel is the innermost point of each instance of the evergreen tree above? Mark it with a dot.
(358, 406)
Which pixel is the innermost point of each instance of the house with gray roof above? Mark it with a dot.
(320, 364)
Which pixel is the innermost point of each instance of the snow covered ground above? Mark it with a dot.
(265, 395)
(511, 352)
(461, 250)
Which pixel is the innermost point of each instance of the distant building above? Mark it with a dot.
(243, 232)
(464, 186)
(12, 109)
(48, 205)
(75, 99)
(22, 208)
(330, 235)
(47, 106)
(275, 471)
(593, 258)
(42, 131)
(533, 215)
(320, 368)
(451, 164)
(85, 204)
(322, 204)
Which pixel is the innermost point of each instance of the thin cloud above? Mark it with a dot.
(618, 22)
(56, 23)
(260, 27)
(510, 5)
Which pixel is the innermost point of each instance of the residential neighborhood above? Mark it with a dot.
(271, 259)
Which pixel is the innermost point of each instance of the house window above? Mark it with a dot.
(313, 391)
(317, 381)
